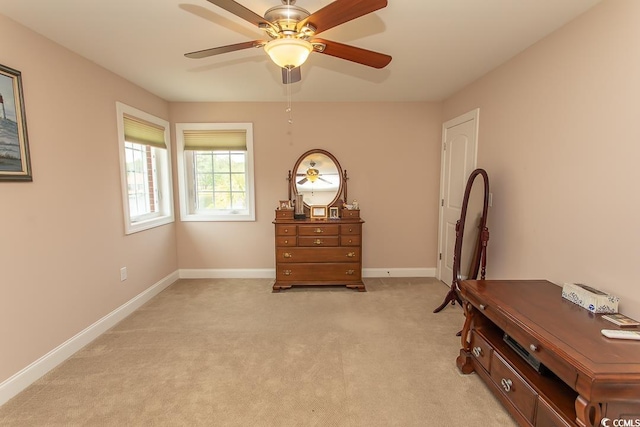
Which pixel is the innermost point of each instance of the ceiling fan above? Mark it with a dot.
(292, 32)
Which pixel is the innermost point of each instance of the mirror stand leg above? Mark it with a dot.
(451, 297)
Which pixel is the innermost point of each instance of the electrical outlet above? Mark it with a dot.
(123, 274)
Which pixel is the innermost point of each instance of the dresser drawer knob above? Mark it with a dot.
(350, 230)
(477, 351)
(533, 347)
(287, 255)
(506, 384)
(482, 306)
(286, 230)
(318, 242)
(286, 242)
(351, 254)
(287, 272)
(318, 231)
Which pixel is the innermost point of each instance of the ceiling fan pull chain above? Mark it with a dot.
(288, 85)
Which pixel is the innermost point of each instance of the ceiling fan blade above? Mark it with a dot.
(241, 11)
(354, 54)
(341, 11)
(223, 49)
(292, 76)
(302, 181)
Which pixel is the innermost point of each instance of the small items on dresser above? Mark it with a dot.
(592, 299)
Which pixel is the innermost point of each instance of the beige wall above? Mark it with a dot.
(563, 168)
(391, 152)
(62, 241)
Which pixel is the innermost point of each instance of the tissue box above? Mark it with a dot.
(592, 299)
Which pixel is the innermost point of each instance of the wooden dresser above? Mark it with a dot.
(586, 378)
(318, 251)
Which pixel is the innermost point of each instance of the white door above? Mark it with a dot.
(459, 147)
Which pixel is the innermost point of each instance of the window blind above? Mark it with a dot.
(142, 132)
(215, 140)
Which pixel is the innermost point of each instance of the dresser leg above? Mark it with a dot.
(360, 288)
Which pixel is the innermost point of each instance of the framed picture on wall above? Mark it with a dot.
(15, 163)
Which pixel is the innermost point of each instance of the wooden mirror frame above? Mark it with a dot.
(342, 176)
(479, 259)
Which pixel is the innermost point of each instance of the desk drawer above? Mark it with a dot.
(481, 350)
(513, 387)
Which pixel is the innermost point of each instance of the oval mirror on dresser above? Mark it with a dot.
(318, 178)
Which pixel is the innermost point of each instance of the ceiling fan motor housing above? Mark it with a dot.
(285, 19)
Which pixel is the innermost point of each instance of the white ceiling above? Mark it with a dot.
(438, 46)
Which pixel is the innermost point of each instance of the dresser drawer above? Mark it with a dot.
(319, 230)
(350, 213)
(286, 230)
(318, 241)
(513, 387)
(350, 229)
(318, 254)
(350, 240)
(481, 350)
(286, 241)
(321, 272)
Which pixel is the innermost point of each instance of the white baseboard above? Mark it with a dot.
(269, 273)
(27, 376)
(398, 272)
(227, 273)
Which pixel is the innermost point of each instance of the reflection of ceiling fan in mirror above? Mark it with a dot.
(311, 175)
(292, 32)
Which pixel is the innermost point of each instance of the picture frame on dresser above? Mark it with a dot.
(334, 212)
(318, 212)
(286, 204)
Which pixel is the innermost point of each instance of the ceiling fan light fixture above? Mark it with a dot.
(288, 52)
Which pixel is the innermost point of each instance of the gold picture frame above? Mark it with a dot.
(318, 212)
(15, 161)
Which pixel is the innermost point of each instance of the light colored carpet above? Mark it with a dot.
(231, 353)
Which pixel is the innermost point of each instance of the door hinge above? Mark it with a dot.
(442, 202)
(445, 146)
(440, 256)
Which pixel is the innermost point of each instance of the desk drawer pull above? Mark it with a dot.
(317, 242)
(477, 351)
(350, 272)
(287, 272)
(482, 306)
(287, 255)
(318, 231)
(506, 384)
(351, 254)
(533, 347)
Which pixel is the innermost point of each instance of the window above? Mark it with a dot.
(215, 171)
(145, 169)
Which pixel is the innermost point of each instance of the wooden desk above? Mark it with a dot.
(589, 377)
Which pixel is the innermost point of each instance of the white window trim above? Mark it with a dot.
(166, 187)
(183, 189)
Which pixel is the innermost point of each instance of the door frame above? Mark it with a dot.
(471, 115)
